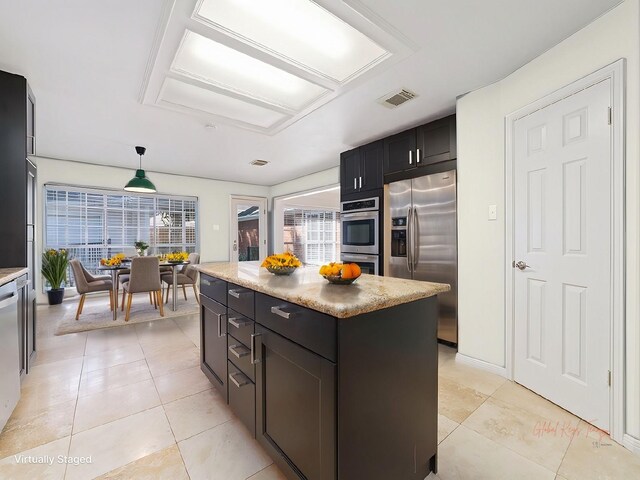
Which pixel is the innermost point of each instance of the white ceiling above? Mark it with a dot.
(86, 62)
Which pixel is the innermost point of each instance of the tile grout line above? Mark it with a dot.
(73, 420)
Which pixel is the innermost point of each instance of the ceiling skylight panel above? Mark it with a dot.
(299, 31)
(183, 94)
(219, 65)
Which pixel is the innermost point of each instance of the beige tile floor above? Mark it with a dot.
(134, 399)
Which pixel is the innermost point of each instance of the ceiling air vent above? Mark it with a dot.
(259, 163)
(395, 99)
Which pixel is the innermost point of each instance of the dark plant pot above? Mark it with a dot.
(55, 296)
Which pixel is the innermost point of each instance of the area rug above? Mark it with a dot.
(97, 314)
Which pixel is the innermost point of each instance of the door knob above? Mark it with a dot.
(521, 265)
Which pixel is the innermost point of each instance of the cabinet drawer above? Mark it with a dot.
(240, 299)
(242, 398)
(313, 330)
(240, 327)
(240, 356)
(213, 288)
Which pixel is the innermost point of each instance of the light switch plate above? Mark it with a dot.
(216, 228)
(493, 212)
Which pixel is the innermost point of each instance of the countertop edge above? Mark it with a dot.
(13, 273)
(380, 303)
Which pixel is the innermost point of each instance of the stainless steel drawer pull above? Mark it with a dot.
(239, 322)
(410, 157)
(417, 156)
(281, 313)
(239, 351)
(220, 315)
(239, 380)
(236, 293)
(254, 358)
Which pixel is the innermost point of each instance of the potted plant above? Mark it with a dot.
(141, 248)
(54, 270)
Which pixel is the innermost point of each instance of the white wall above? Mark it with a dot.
(308, 182)
(213, 196)
(481, 175)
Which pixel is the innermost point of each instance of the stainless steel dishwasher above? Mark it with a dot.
(9, 354)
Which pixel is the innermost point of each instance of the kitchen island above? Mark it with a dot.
(334, 381)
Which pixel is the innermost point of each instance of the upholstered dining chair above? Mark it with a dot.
(144, 278)
(87, 283)
(188, 276)
(123, 277)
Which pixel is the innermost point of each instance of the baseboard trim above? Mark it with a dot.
(631, 443)
(481, 364)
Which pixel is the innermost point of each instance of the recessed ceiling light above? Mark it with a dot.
(219, 65)
(298, 31)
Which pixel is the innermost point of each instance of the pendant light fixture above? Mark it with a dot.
(140, 183)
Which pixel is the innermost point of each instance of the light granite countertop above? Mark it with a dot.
(9, 274)
(306, 287)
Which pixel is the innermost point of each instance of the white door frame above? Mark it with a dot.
(616, 73)
(263, 228)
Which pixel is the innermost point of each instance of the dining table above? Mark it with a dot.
(114, 269)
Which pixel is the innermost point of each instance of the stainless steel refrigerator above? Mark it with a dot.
(424, 239)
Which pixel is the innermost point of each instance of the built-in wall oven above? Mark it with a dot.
(360, 224)
(367, 263)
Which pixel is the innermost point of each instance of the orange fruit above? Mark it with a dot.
(347, 272)
(355, 270)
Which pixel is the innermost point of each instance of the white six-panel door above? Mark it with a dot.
(562, 232)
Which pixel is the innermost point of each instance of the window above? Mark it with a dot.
(94, 224)
(312, 235)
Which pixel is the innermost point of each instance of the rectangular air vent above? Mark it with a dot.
(395, 99)
(259, 163)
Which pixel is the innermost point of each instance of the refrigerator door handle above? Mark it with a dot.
(415, 239)
(409, 239)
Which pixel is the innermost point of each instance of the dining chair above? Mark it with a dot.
(187, 276)
(87, 283)
(123, 277)
(144, 278)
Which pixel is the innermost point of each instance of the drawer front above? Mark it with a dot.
(213, 288)
(241, 300)
(240, 356)
(242, 398)
(313, 330)
(240, 327)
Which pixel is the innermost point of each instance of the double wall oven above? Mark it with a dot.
(360, 222)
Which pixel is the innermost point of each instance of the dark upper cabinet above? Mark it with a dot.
(436, 141)
(400, 151)
(361, 169)
(371, 160)
(296, 406)
(31, 122)
(349, 171)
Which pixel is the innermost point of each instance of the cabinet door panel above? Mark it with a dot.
(372, 158)
(296, 414)
(349, 171)
(436, 141)
(213, 341)
(400, 152)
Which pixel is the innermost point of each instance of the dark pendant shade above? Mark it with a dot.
(140, 183)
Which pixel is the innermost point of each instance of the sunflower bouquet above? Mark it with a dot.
(281, 263)
(177, 257)
(114, 261)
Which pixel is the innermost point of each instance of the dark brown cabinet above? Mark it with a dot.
(296, 399)
(361, 169)
(400, 151)
(18, 189)
(418, 147)
(436, 141)
(327, 398)
(213, 342)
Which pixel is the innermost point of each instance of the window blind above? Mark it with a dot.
(94, 224)
(312, 235)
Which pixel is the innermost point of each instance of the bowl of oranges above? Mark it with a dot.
(341, 273)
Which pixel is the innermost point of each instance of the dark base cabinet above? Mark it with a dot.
(328, 398)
